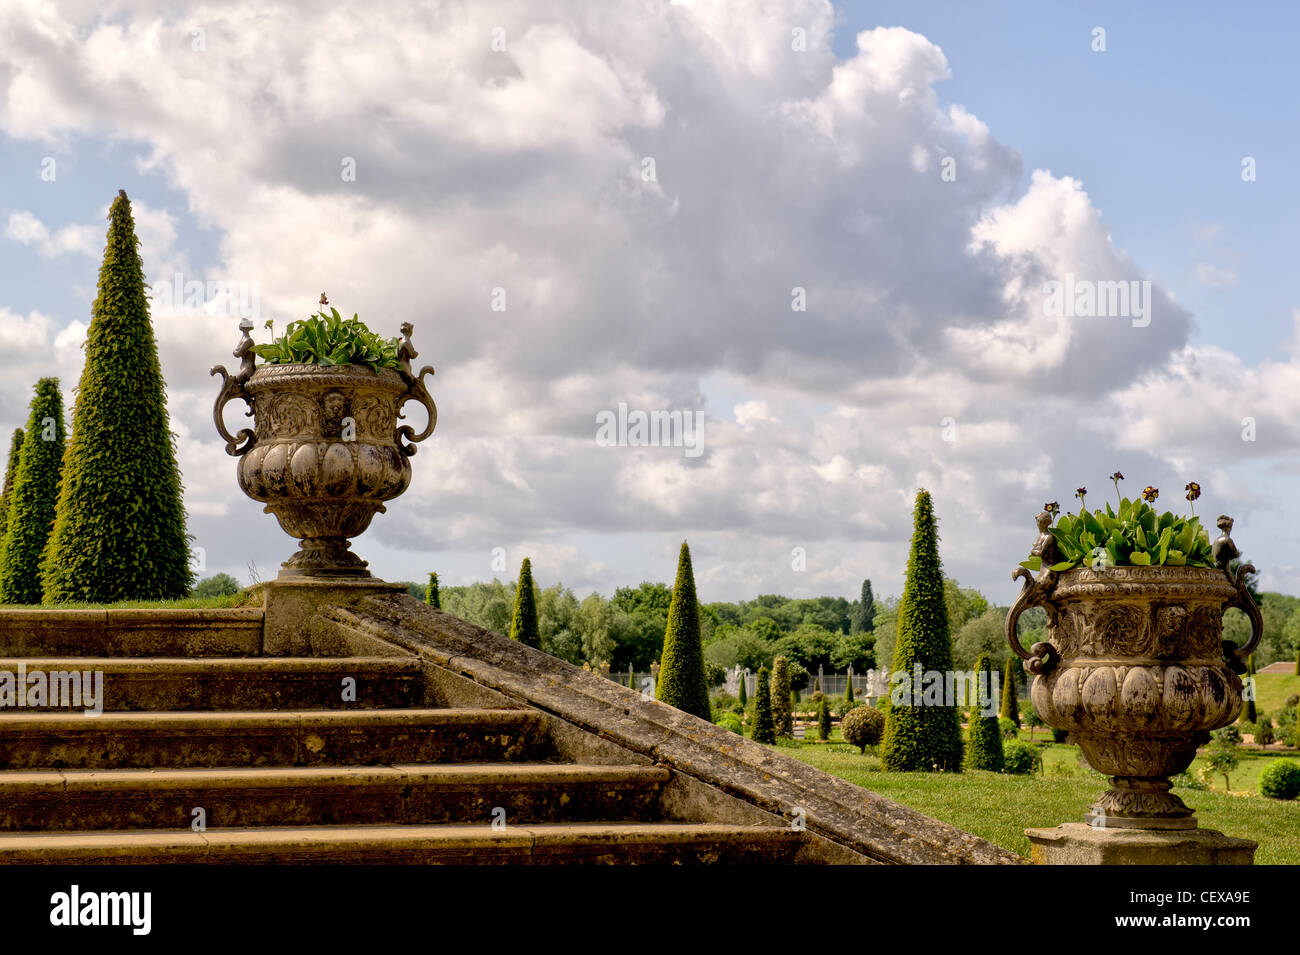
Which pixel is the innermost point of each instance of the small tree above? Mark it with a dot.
(823, 720)
(984, 739)
(15, 450)
(218, 585)
(782, 717)
(862, 726)
(1222, 755)
(431, 596)
(523, 626)
(743, 696)
(681, 675)
(848, 689)
(1010, 703)
(1033, 720)
(32, 498)
(764, 730)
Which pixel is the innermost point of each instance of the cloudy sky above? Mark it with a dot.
(828, 228)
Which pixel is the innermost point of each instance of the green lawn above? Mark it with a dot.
(1272, 689)
(999, 807)
(184, 603)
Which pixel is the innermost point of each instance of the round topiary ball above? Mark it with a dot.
(1280, 780)
(862, 726)
(1019, 758)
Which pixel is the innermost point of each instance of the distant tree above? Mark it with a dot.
(1222, 756)
(218, 585)
(431, 596)
(862, 616)
(926, 737)
(1010, 703)
(782, 717)
(848, 688)
(764, 730)
(681, 675)
(1250, 703)
(32, 498)
(523, 625)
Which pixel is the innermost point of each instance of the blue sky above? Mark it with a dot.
(520, 168)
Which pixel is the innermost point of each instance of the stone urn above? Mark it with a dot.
(326, 450)
(1135, 668)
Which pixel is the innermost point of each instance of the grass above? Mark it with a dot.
(999, 808)
(1272, 689)
(183, 603)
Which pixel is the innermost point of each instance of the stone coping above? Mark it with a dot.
(120, 616)
(831, 808)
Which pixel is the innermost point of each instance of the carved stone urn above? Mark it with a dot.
(1136, 669)
(326, 451)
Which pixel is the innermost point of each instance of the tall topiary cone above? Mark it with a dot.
(15, 449)
(764, 730)
(984, 736)
(743, 696)
(431, 595)
(1010, 703)
(782, 717)
(523, 626)
(681, 666)
(32, 498)
(119, 533)
(823, 720)
(928, 736)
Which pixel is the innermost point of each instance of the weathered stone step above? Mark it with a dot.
(131, 633)
(221, 683)
(304, 796)
(270, 738)
(690, 843)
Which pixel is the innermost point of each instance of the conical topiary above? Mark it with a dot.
(431, 594)
(823, 720)
(744, 692)
(923, 731)
(119, 530)
(848, 689)
(1010, 703)
(681, 675)
(32, 498)
(764, 730)
(15, 449)
(984, 740)
(782, 717)
(523, 626)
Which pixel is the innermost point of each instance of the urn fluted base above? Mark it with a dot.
(1135, 802)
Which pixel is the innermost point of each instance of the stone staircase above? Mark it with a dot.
(309, 759)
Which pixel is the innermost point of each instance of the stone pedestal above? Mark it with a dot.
(290, 604)
(1077, 844)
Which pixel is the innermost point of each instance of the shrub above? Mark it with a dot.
(984, 737)
(730, 721)
(714, 675)
(823, 720)
(218, 585)
(923, 737)
(431, 595)
(799, 677)
(863, 726)
(32, 498)
(1264, 731)
(523, 624)
(1008, 729)
(681, 667)
(1060, 735)
(764, 731)
(781, 713)
(119, 531)
(1020, 758)
(1280, 780)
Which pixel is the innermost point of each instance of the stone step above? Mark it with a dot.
(614, 843)
(131, 633)
(222, 683)
(305, 796)
(270, 738)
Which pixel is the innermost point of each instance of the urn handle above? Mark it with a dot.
(1041, 658)
(1234, 655)
(232, 387)
(415, 391)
